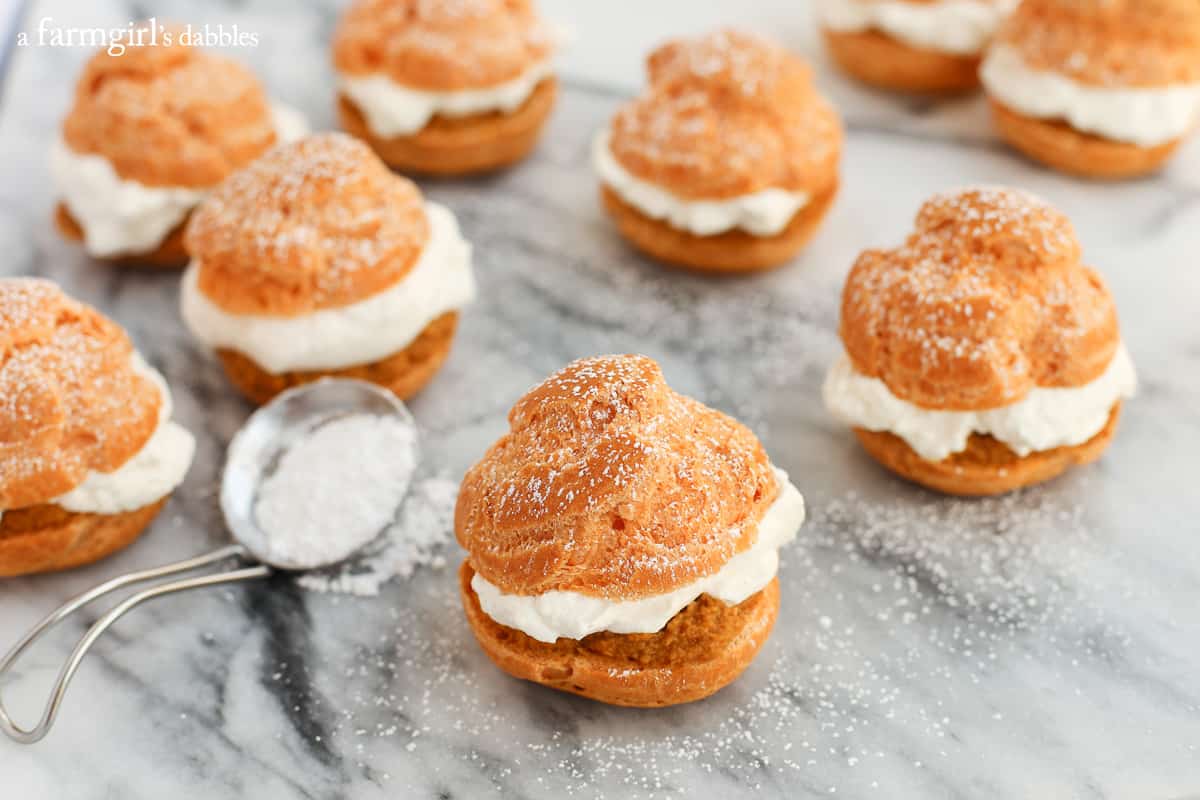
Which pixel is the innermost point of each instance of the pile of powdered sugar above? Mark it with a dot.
(335, 489)
(417, 538)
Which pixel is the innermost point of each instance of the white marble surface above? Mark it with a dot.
(1042, 645)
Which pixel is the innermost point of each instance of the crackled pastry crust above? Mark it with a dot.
(315, 224)
(611, 484)
(169, 115)
(168, 255)
(702, 649)
(879, 60)
(987, 466)
(1145, 44)
(1130, 43)
(728, 114)
(460, 145)
(46, 538)
(70, 401)
(986, 300)
(405, 373)
(441, 44)
(731, 252)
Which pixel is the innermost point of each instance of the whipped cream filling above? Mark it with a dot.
(959, 27)
(572, 615)
(393, 109)
(358, 333)
(762, 213)
(1142, 116)
(122, 217)
(151, 474)
(290, 124)
(1044, 419)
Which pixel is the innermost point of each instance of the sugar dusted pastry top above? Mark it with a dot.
(1109, 42)
(70, 400)
(441, 44)
(728, 114)
(169, 115)
(986, 300)
(611, 484)
(318, 223)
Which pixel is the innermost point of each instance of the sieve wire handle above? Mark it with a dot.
(67, 672)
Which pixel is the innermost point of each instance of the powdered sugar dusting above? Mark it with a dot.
(312, 224)
(728, 113)
(887, 599)
(985, 300)
(417, 539)
(334, 490)
(740, 61)
(169, 115)
(69, 399)
(1116, 43)
(442, 44)
(612, 484)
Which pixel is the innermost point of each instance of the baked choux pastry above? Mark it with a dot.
(317, 261)
(150, 133)
(622, 540)
(911, 45)
(445, 87)
(727, 162)
(88, 451)
(1097, 88)
(980, 356)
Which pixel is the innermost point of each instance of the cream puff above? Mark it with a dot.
(623, 540)
(445, 87)
(911, 45)
(980, 356)
(317, 261)
(150, 133)
(727, 162)
(1097, 88)
(88, 451)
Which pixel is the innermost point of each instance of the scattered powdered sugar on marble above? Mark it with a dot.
(417, 538)
(886, 600)
(335, 489)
